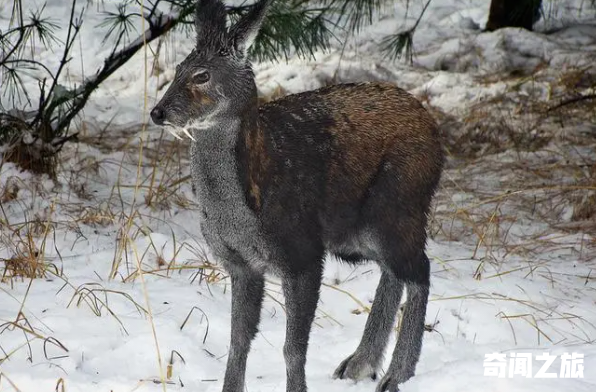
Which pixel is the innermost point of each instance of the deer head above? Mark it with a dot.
(215, 82)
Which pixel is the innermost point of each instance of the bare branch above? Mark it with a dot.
(163, 24)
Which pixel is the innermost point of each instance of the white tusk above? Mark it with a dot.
(188, 134)
(174, 134)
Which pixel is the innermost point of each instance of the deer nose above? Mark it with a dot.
(158, 115)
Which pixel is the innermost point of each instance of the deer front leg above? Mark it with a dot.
(301, 293)
(247, 298)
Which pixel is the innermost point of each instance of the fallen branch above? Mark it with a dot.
(572, 101)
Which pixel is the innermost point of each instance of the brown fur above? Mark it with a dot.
(378, 124)
(258, 164)
(200, 99)
(374, 125)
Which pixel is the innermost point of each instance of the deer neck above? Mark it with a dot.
(215, 164)
(217, 167)
(213, 161)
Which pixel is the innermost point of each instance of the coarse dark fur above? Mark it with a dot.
(348, 169)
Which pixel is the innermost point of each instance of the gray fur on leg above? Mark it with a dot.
(247, 297)
(367, 359)
(302, 295)
(409, 342)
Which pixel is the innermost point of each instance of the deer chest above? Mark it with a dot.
(229, 226)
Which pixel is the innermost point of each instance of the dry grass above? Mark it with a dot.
(26, 245)
(11, 188)
(87, 198)
(519, 182)
(35, 156)
(520, 170)
(537, 316)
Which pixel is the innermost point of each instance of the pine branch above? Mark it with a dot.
(45, 112)
(402, 43)
(158, 26)
(12, 47)
(288, 29)
(18, 10)
(354, 14)
(119, 23)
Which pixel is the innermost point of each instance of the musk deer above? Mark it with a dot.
(348, 169)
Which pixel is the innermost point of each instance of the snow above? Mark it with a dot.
(99, 325)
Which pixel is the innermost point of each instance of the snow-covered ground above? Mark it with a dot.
(506, 278)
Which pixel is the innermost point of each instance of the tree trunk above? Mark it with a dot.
(513, 13)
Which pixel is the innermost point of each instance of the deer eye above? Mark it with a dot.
(200, 77)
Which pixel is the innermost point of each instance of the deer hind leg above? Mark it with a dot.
(367, 359)
(400, 241)
(409, 341)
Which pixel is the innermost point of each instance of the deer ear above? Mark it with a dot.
(244, 32)
(210, 22)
